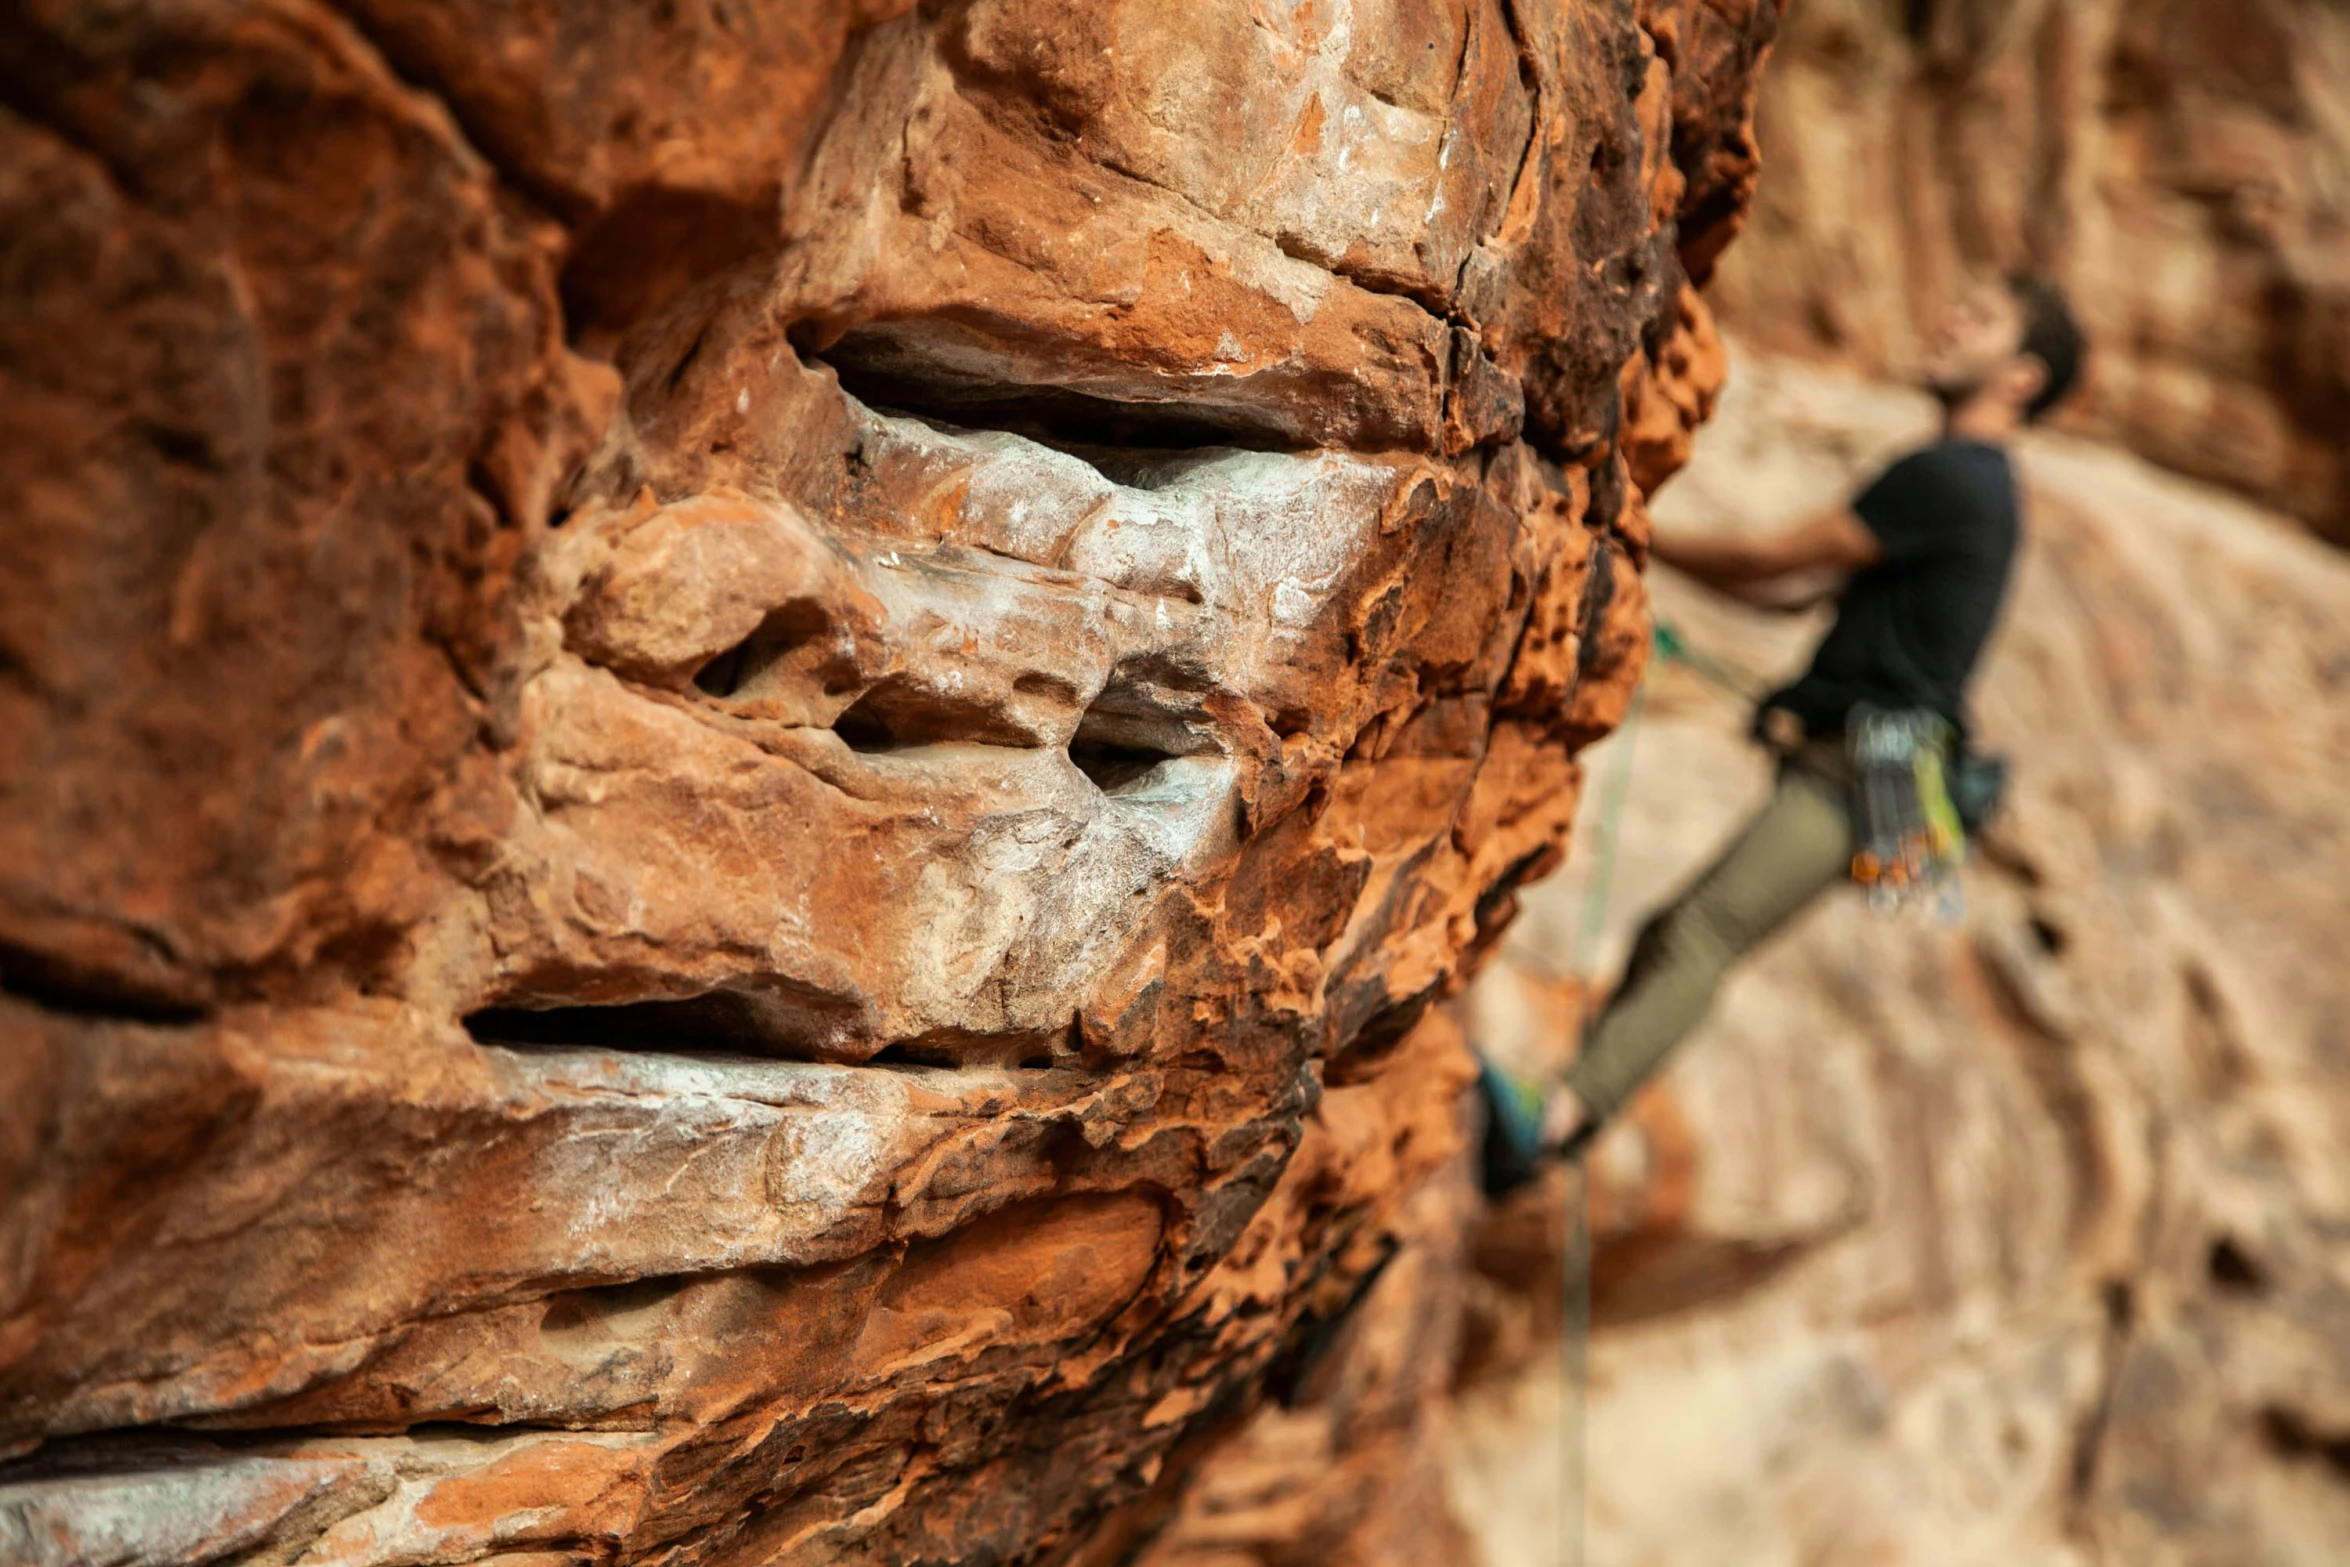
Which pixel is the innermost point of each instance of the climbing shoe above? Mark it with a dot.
(1517, 1139)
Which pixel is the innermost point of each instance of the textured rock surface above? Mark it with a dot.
(2183, 165)
(745, 741)
(2019, 1242)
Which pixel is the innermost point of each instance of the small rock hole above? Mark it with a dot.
(2051, 937)
(62, 986)
(902, 368)
(2292, 1436)
(865, 727)
(723, 675)
(2121, 1304)
(780, 1018)
(1114, 768)
(903, 711)
(2232, 1270)
(1040, 683)
(736, 671)
(911, 1053)
(685, 361)
(1123, 738)
(484, 483)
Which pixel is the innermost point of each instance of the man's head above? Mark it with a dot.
(2014, 341)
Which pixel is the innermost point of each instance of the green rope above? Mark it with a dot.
(1611, 821)
(1671, 647)
(1575, 1334)
(1729, 677)
(1575, 1358)
(1575, 1337)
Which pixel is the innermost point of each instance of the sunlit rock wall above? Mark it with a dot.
(748, 746)
(2015, 1242)
(2183, 165)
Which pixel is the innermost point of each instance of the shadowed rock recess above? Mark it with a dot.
(749, 747)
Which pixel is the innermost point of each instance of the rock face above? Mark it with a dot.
(2183, 166)
(747, 744)
(2015, 1242)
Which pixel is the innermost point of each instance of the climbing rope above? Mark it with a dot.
(1740, 683)
(1575, 1249)
(1668, 646)
(1603, 870)
(1575, 1366)
(1575, 1335)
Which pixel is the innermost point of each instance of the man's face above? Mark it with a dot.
(1977, 338)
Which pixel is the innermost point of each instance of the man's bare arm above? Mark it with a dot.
(1769, 571)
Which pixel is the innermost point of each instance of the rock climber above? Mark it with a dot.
(1923, 557)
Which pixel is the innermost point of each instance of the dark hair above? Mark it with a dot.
(2051, 335)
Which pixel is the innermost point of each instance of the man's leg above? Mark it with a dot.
(1798, 846)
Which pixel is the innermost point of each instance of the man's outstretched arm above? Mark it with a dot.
(1765, 571)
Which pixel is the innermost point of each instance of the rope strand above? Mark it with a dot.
(1575, 1246)
(1741, 683)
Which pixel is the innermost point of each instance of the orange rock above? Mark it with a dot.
(752, 747)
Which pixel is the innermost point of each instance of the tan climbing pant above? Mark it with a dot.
(1797, 847)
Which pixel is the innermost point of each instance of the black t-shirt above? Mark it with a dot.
(1909, 629)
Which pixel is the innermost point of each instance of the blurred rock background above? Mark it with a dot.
(2019, 1241)
(2182, 165)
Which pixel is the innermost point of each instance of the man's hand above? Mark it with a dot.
(1769, 572)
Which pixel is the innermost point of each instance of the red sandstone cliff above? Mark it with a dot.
(746, 742)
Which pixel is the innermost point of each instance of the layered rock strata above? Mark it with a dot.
(748, 742)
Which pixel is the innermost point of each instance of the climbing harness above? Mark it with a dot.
(1917, 790)
(1911, 838)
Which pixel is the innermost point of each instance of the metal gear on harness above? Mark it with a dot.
(1911, 839)
(1918, 789)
